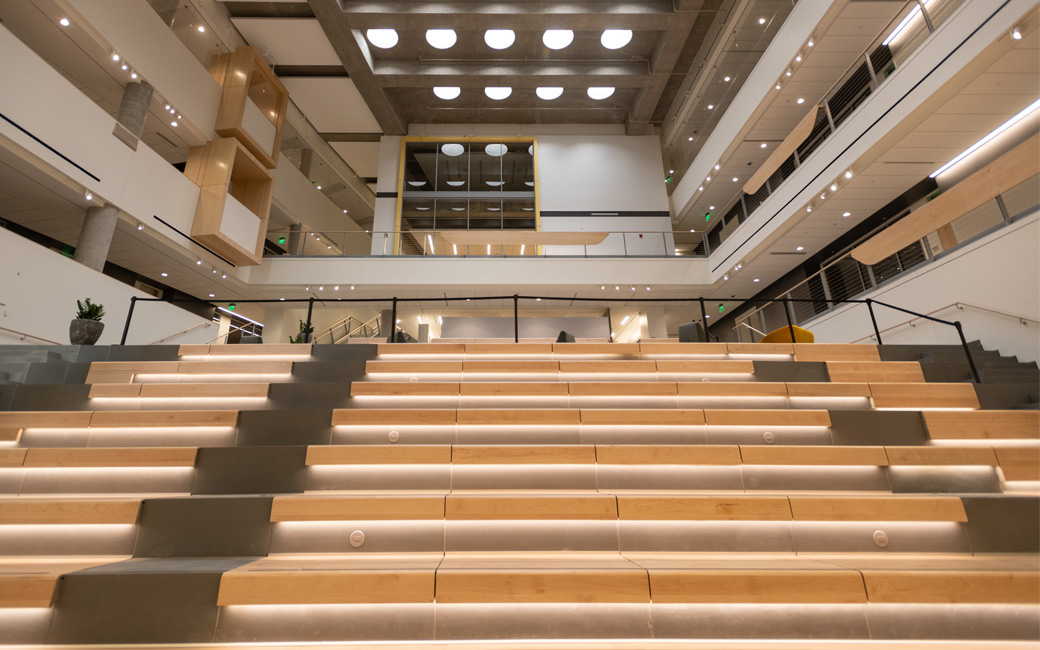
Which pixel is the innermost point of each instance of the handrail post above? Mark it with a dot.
(129, 315)
(310, 311)
(516, 318)
(877, 332)
(393, 322)
(787, 312)
(704, 320)
(967, 352)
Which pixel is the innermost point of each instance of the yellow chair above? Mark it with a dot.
(783, 335)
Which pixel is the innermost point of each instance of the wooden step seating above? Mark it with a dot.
(661, 578)
(269, 351)
(224, 370)
(1016, 463)
(116, 419)
(31, 582)
(223, 391)
(896, 395)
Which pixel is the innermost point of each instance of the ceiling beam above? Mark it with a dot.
(351, 137)
(519, 74)
(534, 15)
(353, 53)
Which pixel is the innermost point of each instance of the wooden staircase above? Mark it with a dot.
(543, 495)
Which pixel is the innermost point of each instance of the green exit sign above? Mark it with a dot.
(707, 216)
(722, 308)
(281, 240)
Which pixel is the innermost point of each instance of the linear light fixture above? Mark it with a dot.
(992, 134)
(902, 25)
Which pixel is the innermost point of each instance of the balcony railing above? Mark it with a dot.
(845, 278)
(900, 38)
(444, 243)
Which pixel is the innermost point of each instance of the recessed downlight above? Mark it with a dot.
(557, 39)
(453, 149)
(801, 100)
(800, 248)
(601, 92)
(456, 184)
(615, 39)
(417, 183)
(846, 214)
(447, 93)
(64, 22)
(441, 39)
(382, 38)
(499, 39)
(498, 93)
(496, 150)
(549, 93)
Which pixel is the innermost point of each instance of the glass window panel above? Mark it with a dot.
(518, 167)
(486, 166)
(420, 167)
(453, 166)
(485, 214)
(518, 214)
(452, 214)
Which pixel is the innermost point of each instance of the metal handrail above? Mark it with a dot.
(362, 327)
(750, 328)
(234, 328)
(516, 298)
(328, 330)
(958, 305)
(26, 335)
(185, 331)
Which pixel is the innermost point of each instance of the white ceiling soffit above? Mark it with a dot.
(363, 157)
(288, 41)
(332, 104)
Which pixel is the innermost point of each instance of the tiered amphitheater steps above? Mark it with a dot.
(632, 494)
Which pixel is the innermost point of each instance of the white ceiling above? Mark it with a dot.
(332, 104)
(288, 41)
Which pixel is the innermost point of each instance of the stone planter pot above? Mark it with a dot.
(83, 331)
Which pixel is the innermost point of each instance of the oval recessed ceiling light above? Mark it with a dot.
(441, 39)
(557, 39)
(417, 183)
(527, 209)
(498, 93)
(447, 93)
(456, 183)
(499, 39)
(496, 183)
(801, 100)
(615, 39)
(382, 38)
(453, 149)
(529, 183)
(422, 208)
(530, 150)
(601, 93)
(846, 214)
(548, 94)
(458, 209)
(496, 150)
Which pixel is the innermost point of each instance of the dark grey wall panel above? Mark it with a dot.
(204, 527)
(893, 428)
(284, 427)
(1003, 524)
(250, 470)
(790, 371)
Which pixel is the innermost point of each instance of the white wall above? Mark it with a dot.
(1000, 271)
(39, 289)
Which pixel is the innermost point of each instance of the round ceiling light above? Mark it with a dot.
(456, 183)
(600, 93)
(453, 149)
(496, 150)
(495, 183)
(499, 39)
(382, 38)
(615, 39)
(549, 94)
(557, 39)
(447, 93)
(498, 93)
(530, 150)
(441, 39)
(417, 183)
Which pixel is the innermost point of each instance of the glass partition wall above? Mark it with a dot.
(466, 184)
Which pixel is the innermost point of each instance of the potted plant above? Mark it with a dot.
(306, 329)
(86, 327)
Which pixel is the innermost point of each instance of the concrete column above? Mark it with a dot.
(306, 160)
(95, 238)
(137, 97)
(294, 244)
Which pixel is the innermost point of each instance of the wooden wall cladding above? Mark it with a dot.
(244, 76)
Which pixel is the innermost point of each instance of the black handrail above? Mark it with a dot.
(516, 298)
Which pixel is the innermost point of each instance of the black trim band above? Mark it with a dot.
(605, 213)
(49, 148)
(386, 195)
(193, 240)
